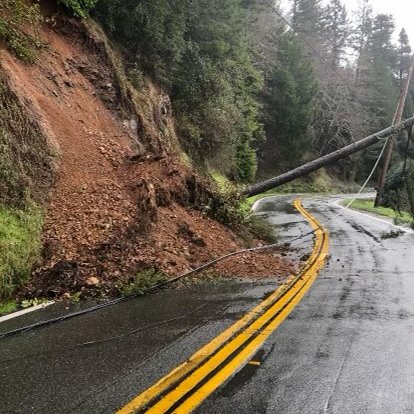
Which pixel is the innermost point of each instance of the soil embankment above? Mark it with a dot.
(122, 200)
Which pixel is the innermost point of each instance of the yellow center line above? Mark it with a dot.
(195, 399)
(259, 316)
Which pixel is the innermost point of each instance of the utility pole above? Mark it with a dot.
(327, 159)
(390, 144)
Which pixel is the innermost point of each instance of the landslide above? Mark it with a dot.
(118, 198)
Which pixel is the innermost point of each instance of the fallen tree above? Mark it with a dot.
(327, 159)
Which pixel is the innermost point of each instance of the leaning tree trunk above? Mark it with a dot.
(326, 159)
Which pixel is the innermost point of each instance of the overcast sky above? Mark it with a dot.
(402, 10)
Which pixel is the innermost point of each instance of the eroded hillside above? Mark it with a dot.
(118, 198)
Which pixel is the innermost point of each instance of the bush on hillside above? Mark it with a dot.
(79, 8)
(399, 188)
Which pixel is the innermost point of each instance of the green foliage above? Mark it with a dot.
(368, 205)
(8, 307)
(152, 32)
(25, 160)
(261, 229)
(19, 23)
(143, 281)
(246, 163)
(377, 79)
(289, 98)
(79, 8)
(25, 174)
(306, 15)
(237, 211)
(399, 188)
(200, 51)
(19, 246)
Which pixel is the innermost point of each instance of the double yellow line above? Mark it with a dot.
(185, 387)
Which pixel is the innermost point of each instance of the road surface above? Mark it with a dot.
(347, 346)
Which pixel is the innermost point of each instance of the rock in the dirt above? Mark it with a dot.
(65, 296)
(92, 281)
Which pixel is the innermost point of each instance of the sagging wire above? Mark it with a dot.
(108, 339)
(196, 270)
(149, 290)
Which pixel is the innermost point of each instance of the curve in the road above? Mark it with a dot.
(187, 386)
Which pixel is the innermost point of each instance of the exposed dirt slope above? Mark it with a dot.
(122, 201)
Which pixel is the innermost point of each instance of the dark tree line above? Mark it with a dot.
(360, 72)
(239, 80)
(254, 88)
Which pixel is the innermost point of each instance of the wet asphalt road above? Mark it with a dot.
(348, 347)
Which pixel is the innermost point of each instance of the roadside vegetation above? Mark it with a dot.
(255, 91)
(19, 246)
(19, 24)
(26, 173)
(240, 214)
(8, 307)
(143, 281)
(320, 182)
(401, 217)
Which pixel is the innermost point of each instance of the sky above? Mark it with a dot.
(402, 10)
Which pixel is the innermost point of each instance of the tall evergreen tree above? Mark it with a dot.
(335, 29)
(306, 16)
(381, 79)
(289, 103)
(404, 56)
(361, 34)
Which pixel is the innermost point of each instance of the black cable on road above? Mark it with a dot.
(149, 290)
(108, 339)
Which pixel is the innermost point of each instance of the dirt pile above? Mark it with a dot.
(122, 200)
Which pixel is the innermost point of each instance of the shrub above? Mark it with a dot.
(399, 188)
(79, 8)
(142, 281)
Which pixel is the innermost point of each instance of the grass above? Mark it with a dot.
(368, 205)
(222, 182)
(19, 25)
(19, 246)
(144, 280)
(7, 307)
(319, 182)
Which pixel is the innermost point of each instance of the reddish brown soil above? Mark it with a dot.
(109, 217)
(257, 265)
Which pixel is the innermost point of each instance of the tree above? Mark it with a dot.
(79, 8)
(404, 57)
(380, 41)
(306, 16)
(289, 103)
(380, 80)
(152, 32)
(227, 110)
(361, 34)
(200, 51)
(335, 30)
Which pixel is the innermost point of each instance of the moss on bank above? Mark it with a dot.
(20, 232)
(26, 174)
